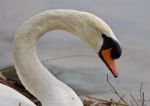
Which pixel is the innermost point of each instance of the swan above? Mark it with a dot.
(35, 77)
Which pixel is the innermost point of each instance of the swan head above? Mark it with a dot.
(102, 39)
(109, 48)
(109, 51)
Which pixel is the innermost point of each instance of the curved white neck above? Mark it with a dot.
(34, 76)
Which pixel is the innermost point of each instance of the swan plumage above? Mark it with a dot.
(10, 97)
(34, 76)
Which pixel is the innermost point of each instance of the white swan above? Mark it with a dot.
(35, 77)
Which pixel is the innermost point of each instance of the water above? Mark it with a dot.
(130, 22)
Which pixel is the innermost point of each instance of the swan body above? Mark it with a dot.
(10, 97)
(35, 77)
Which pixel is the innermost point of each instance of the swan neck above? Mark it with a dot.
(34, 76)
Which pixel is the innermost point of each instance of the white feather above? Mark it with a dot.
(34, 76)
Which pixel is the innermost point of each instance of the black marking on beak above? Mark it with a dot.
(110, 43)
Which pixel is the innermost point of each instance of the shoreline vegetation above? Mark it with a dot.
(87, 100)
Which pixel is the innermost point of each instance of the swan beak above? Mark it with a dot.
(110, 62)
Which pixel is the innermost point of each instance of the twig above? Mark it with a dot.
(122, 97)
(133, 98)
(101, 100)
(115, 91)
(143, 99)
(6, 69)
(2, 76)
(142, 95)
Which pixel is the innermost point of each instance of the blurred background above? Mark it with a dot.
(83, 70)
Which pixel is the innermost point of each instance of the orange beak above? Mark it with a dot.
(110, 62)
